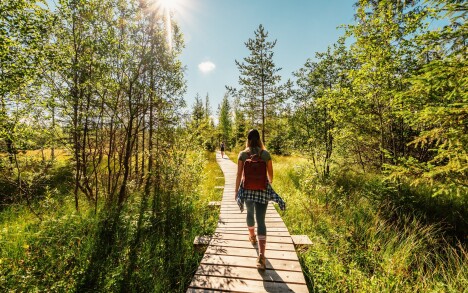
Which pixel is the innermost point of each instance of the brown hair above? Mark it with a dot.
(253, 140)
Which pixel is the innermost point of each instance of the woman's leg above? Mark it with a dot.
(250, 217)
(260, 213)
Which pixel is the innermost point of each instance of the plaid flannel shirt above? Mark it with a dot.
(260, 196)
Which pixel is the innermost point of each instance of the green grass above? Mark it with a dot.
(131, 250)
(357, 245)
(363, 239)
(212, 176)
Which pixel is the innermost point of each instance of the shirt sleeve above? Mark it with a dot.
(266, 156)
(242, 156)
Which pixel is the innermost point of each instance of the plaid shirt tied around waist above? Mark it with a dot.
(260, 196)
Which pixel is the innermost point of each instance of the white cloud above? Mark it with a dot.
(206, 66)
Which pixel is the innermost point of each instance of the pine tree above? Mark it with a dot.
(198, 112)
(260, 89)
(225, 122)
(239, 125)
(207, 106)
(436, 105)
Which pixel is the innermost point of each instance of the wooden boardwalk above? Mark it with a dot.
(229, 263)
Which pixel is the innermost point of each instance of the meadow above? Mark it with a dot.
(70, 251)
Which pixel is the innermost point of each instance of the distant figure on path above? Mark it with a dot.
(222, 149)
(254, 171)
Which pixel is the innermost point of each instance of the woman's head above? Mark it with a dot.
(253, 140)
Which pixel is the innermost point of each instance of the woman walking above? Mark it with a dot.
(254, 165)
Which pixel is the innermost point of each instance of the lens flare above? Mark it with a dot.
(168, 4)
(168, 9)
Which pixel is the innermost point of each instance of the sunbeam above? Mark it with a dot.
(167, 8)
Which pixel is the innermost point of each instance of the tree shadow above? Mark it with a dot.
(101, 253)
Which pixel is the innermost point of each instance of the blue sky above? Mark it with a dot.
(215, 32)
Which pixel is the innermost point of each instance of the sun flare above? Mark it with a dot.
(169, 4)
(168, 9)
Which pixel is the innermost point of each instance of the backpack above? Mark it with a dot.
(255, 175)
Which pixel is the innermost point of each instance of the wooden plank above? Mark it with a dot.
(247, 244)
(202, 240)
(242, 220)
(244, 228)
(245, 233)
(243, 285)
(245, 237)
(301, 240)
(238, 212)
(235, 208)
(251, 274)
(214, 204)
(243, 216)
(251, 262)
(251, 252)
(243, 225)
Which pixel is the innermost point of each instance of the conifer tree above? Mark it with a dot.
(198, 112)
(259, 80)
(239, 125)
(225, 122)
(436, 105)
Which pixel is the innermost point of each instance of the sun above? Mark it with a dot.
(168, 9)
(164, 6)
(168, 4)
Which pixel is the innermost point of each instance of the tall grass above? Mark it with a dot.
(362, 241)
(130, 250)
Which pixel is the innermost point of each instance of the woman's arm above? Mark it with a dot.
(270, 171)
(240, 167)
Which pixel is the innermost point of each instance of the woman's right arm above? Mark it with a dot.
(270, 171)
(240, 167)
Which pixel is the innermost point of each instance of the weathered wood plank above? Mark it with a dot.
(244, 232)
(251, 262)
(247, 244)
(243, 285)
(245, 237)
(251, 274)
(244, 215)
(214, 204)
(301, 240)
(202, 240)
(244, 228)
(243, 221)
(251, 252)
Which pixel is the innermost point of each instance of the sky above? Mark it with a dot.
(215, 32)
